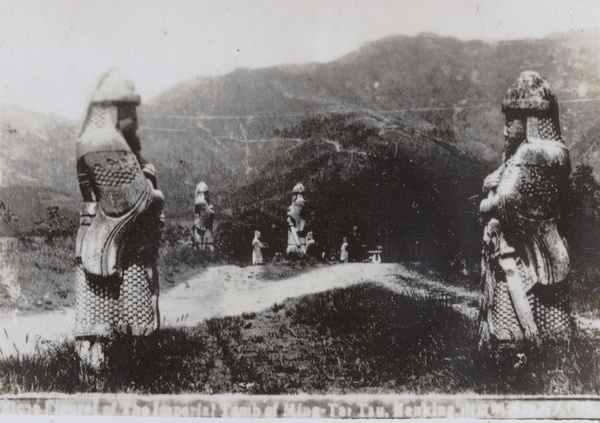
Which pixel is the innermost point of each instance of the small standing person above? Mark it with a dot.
(120, 223)
(525, 261)
(204, 218)
(257, 245)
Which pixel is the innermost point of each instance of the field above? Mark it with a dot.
(364, 338)
(38, 269)
(360, 339)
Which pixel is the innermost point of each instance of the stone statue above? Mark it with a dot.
(257, 245)
(120, 223)
(296, 225)
(525, 261)
(344, 251)
(203, 222)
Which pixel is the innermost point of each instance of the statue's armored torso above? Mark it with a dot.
(530, 194)
(118, 180)
(296, 242)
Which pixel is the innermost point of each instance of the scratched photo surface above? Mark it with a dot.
(318, 209)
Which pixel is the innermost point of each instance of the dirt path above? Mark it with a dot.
(216, 292)
(232, 290)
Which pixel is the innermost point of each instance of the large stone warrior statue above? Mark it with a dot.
(204, 218)
(525, 260)
(120, 223)
(296, 225)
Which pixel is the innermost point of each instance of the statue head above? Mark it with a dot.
(531, 110)
(114, 103)
(257, 234)
(202, 193)
(298, 189)
(114, 87)
(203, 209)
(118, 89)
(298, 196)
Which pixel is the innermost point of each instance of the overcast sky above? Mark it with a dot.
(52, 52)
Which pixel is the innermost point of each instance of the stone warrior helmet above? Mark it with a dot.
(298, 189)
(532, 98)
(202, 193)
(114, 87)
(298, 195)
(201, 187)
(113, 90)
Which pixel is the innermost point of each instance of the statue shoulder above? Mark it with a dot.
(101, 140)
(544, 153)
(533, 184)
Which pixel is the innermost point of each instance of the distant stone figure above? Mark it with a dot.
(120, 222)
(344, 251)
(525, 261)
(257, 246)
(204, 218)
(296, 225)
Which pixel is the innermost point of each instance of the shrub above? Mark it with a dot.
(581, 218)
(57, 224)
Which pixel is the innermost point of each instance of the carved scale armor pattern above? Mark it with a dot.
(136, 309)
(97, 307)
(543, 128)
(99, 117)
(550, 309)
(118, 173)
(539, 184)
(106, 306)
(504, 317)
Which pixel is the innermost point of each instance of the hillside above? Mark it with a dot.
(403, 125)
(222, 129)
(37, 165)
